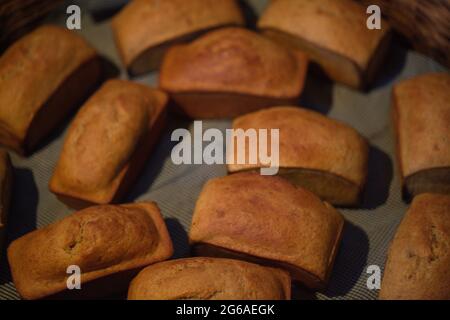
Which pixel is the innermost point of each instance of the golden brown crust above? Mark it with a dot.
(233, 60)
(101, 240)
(421, 112)
(5, 192)
(270, 219)
(103, 138)
(147, 24)
(31, 71)
(309, 140)
(337, 26)
(210, 279)
(418, 264)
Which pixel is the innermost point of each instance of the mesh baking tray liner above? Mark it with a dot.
(368, 229)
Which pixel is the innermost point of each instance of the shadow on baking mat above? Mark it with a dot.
(350, 262)
(301, 293)
(179, 238)
(318, 91)
(160, 153)
(109, 69)
(250, 16)
(393, 65)
(22, 214)
(379, 179)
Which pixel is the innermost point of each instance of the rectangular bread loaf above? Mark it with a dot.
(327, 157)
(231, 71)
(145, 29)
(418, 263)
(421, 115)
(210, 279)
(43, 76)
(108, 143)
(6, 177)
(333, 33)
(266, 219)
(108, 243)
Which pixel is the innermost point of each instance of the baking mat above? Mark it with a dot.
(368, 230)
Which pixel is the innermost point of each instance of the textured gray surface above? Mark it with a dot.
(368, 230)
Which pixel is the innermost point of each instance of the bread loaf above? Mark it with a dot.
(322, 155)
(145, 29)
(418, 264)
(109, 244)
(333, 33)
(108, 143)
(231, 71)
(421, 112)
(43, 76)
(210, 279)
(267, 220)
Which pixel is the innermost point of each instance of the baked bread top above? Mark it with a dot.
(269, 218)
(310, 140)
(143, 24)
(335, 25)
(102, 138)
(32, 69)
(422, 119)
(101, 240)
(418, 265)
(234, 60)
(210, 279)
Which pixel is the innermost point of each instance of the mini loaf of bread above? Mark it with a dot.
(333, 33)
(418, 264)
(230, 72)
(5, 193)
(43, 76)
(109, 243)
(267, 220)
(322, 155)
(108, 143)
(145, 29)
(210, 279)
(421, 112)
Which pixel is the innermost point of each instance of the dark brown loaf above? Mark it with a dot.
(145, 29)
(333, 33)
(109, 243)
(210, 279)
(108, 143)
(421, 112)
(231, 71)
(43, 76)
(418, 264)
(266, 219)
